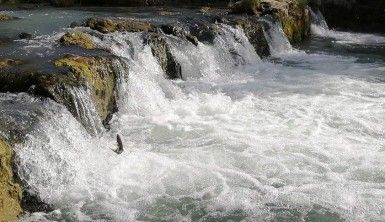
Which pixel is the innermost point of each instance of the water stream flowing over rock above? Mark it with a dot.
(221, 119)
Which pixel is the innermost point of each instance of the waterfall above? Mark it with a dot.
(239, 139)
(85, 109)
(230, 49)
(320, 28)
(276, 38)
(318, 19)
(319, 25)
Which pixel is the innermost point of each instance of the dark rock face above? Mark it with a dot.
(192, 31)
(162, 52)
(254, 32)
(358, 15)
(63, 3)
(25, 35)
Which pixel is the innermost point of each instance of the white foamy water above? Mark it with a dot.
(240, 140)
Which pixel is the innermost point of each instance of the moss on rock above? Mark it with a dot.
(110, 25)
(296, 20)
(292, 14)
(80, 39)
(4, 17)
(10, 192)
(98, 74)
(7, 63)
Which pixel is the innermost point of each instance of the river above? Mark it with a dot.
(298, 136)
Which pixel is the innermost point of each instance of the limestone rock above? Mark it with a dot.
(162, 52)
(98, 74)
(10, 192)
(6, 17)
(113, 25)
(80, 39)
(7, 63)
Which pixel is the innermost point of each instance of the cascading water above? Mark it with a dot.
(276, 38)
(85, 109)
(320, 28)
(239, 140)
(230, 49)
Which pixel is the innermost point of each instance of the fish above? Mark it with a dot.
(120, 148)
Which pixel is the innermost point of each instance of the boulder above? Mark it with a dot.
(10, 191)
(295, 20)
(251, 7)
(95, 72)
(8, 63)
(292, 14)
(4, 17)
(80, 39)
(98, 74)
(162, 53)
(253, 30)
(113, 25)
(25, 35)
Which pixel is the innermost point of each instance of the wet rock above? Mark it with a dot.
(25, 35)
(357, 15)
(74, 24)
(80, 39)
(162, 52)
(193, 31)
(63, 3)
(10, 192)
(31, 202)
(113, 25)
(5, 40)
(179, 31)
(205, 10)
(95, 72)
(7, 63)
(251, 7)
(292, 14)
(253, 30)
(168, 13)
(98, 74)
(6, 17)
(295, 20)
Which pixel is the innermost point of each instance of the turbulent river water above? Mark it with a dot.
(299, 136)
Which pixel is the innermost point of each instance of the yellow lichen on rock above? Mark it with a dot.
(5, 17)
(7, 63)
(97, 73)
(79, 39)
(10, 192)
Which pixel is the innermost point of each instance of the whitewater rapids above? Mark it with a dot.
(299, 137)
